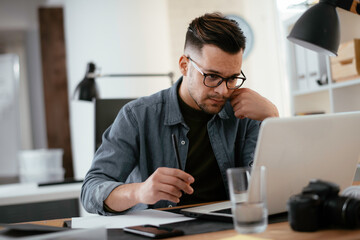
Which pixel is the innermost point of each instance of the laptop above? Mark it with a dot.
(295, 150)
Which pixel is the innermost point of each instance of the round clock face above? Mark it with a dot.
(245, 27)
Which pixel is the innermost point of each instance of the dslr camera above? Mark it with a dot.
(319, 206)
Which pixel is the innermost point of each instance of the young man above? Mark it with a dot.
(215, 121)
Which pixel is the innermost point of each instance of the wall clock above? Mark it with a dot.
(248, 32)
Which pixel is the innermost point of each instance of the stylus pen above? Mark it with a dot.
(176, 150)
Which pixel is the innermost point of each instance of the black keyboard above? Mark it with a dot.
(225, 210)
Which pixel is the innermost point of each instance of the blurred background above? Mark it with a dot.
(48, 44)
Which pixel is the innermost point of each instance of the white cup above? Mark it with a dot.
(248, 199)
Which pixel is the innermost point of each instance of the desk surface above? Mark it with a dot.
(274, 231)
(277, 231)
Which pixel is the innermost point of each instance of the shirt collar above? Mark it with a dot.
(173, 114)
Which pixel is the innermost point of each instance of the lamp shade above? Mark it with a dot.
(318, 29)
(87, 89)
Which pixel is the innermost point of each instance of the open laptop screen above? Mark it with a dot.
(297, 149)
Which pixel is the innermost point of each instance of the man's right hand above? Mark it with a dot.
(164, 184)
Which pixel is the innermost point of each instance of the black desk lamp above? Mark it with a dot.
(87, 89)
(318, 29)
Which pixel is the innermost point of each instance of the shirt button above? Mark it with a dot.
(170, 206)
(182, 142)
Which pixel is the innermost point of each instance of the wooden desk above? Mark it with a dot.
(274, 231)
(278, 231)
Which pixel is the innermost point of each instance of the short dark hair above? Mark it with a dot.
(214, 28)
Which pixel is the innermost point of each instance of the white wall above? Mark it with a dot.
(127, 36)
(264, 68)
(19, 14)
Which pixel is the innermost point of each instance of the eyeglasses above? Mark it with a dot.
(214, 80)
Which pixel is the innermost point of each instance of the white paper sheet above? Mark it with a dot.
(149, 216)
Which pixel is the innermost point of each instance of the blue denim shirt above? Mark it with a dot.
(139, 142)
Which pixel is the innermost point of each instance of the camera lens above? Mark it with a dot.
(342, 212)
(304, 212)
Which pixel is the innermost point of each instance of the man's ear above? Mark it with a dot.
(183, 65)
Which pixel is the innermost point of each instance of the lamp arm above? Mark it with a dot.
(349, 5)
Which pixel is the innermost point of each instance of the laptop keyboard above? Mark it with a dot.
(225, 210)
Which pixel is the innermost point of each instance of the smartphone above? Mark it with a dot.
(152, 231)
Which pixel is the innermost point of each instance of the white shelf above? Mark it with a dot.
(316, 90)
(346, 83)
(22, 193)
(334, 97)
(334, 85)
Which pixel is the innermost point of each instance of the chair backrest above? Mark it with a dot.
(106, 111)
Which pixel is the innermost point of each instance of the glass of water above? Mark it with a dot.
(247, 188)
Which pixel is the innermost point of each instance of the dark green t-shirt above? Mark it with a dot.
(201, 162)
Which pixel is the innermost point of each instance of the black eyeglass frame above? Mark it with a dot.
(222, 78)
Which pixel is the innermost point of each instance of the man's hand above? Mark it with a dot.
(163, 184)
(249, 104)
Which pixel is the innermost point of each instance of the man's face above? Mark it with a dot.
(211, 60)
